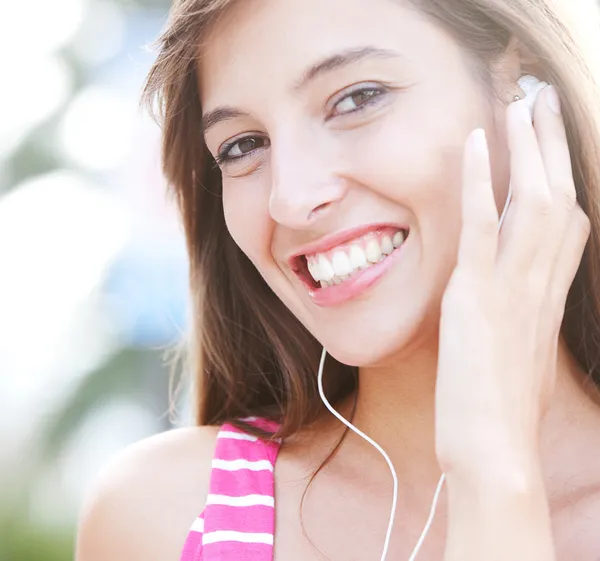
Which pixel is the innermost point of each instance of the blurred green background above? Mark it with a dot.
(93, 287)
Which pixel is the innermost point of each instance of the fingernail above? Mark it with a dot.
(552, 99)
(479, 141)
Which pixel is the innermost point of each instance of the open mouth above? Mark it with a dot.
(346, 262)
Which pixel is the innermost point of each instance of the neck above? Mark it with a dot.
(396, 407)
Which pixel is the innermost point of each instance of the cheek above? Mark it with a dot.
(246, 215)
(417, 164)
(414, 161)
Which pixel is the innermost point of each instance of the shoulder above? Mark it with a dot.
(144, 502)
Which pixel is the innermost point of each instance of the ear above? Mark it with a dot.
(516, 61)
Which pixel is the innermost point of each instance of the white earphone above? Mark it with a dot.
(531, 86)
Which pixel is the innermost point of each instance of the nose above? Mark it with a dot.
(305, 186)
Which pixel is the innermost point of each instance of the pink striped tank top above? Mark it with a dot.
(238, 521)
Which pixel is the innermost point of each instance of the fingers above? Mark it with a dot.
(544, 194)
(545, 230)
(479, 234)
(528, 215)
(554, 148)
(575, 239)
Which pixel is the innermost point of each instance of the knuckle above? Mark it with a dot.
(584, 221)
(542, 204)
(487, 227)
(538, 201)
(569, 199)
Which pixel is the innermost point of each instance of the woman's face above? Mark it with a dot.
(339, 127)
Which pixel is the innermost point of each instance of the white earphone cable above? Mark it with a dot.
(440, 485)
(532, 86)
(391, 466)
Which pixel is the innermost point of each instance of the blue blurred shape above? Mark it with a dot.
(147, 292)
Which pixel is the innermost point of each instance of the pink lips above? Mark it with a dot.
(334, 240)
(356, 285)
(359, 282)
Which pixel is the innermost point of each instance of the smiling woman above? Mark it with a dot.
(340, 168)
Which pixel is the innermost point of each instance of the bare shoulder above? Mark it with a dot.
(144, 502)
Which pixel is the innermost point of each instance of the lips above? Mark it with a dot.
(331, 241)
(341, 266)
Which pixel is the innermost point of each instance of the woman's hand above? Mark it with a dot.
(500, 323)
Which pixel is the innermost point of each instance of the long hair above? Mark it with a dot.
(250, 356)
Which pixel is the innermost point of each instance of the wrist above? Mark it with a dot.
(490, 452)
(499, 513)
(498, 479)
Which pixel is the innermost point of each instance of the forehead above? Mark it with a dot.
(267, 44)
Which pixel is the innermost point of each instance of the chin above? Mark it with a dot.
(374, 339)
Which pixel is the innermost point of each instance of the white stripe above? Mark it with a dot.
(249, 419)
(237, 436)
(245, 500)
(236, 465)
(231, 536)
(198, 525)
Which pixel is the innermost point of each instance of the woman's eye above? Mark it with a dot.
(240, 148)
(356, 100)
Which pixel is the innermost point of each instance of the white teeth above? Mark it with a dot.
(398, 239)
(341, 264)
(386, 245)
(314, 269)
(327, 272)
(358, 259)
(334, 271)
(373, 251)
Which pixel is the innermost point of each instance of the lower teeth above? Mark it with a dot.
(340, 279)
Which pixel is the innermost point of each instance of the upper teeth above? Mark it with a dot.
(341, 264)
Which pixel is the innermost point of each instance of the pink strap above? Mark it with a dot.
(238, 521)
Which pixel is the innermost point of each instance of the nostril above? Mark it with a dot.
(318, 210)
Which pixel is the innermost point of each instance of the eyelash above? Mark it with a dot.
(223, 156)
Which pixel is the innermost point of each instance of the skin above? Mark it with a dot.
(497, 359)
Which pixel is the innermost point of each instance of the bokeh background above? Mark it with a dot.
(93, 287)
(93, 271)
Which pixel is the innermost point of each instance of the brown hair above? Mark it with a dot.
(250, 355)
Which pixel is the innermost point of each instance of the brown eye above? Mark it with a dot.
(356, 100)
(244, 146)
(240, 148)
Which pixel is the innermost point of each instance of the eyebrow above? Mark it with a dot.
(225, 113)
(328, 64)
(340, 60)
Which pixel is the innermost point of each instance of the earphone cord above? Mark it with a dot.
(393, 471)
(440, 484)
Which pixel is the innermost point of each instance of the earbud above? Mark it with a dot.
(532, 87)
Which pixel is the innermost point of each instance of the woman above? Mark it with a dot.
(341, 167)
